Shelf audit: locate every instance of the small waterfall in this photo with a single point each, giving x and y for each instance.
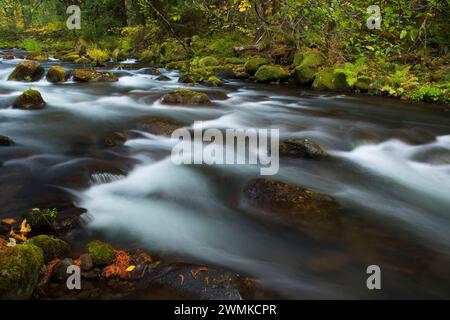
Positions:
(99, 178)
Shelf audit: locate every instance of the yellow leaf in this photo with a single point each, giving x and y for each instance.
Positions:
(8, 221)
(20, 237)
(25, 227)
(130, 268)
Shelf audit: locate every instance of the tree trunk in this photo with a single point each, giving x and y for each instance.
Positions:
(26, 12)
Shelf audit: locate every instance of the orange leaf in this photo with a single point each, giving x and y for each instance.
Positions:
(8, 221)
(25, 227)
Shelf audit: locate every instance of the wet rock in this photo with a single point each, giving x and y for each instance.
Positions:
(29, 100)
(42, 219)
(86, 262)
(8, 57)
(51, 246)
(214, 82)
(269, 73)
(57, 74)
(116, 139)
(298, 206)
(102, 253)
(150, 71)
(38, 56)
(71, 56)
(302, 148)
(28, 71)
(60, 270)
(19, 270)
(163, 78)
(80, 75)
(185, 97)
(159, 126)
(189, 77)
(82, 60)
(6, 141)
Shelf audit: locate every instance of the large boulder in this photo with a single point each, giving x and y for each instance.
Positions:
(52, 247)
(29, 100)
(306, 70)
(327, 79)
(208, 62)
(57, 74)
(81, 75)
(296, 206)
(252, 65)
(20, 267)
(185, 97)
(268, 74)
(6, 141)
(302, 148)
(28, 71)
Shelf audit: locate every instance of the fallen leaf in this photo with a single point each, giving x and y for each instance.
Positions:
(8, 221)
(130, 268)
(19, 237)
(25, 227)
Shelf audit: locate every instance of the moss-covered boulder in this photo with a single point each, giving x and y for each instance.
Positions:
(28, 71)
(363, 84)
(102, 253)
(297, 205)
(6, 141)
(57, 74)
(252, 65)
(42, 219)
(84, 75)
(71, 56)
(185, 97)
(191, 77)
(306, 70)
(327, 79)
(269, 73)
(52, 247)
(83, 60)
(20, 267)
(38, 56)
(214, 81)
(302, 148)
(208, 62)
(29, 100)
(234, 60)
(224, 72)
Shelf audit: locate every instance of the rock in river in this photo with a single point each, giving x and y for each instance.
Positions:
(29, 100)
(80, 75)
(186, 97)
(57, 74)
(302, 148)
(6, 141)
(28, 71)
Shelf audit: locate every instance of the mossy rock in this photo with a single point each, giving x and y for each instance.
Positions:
(215, 82)
(208, 62)
(28, 71)
(269, 73)
(52, 247)
(84, 75)
(177, 65)
(42, 219)
(82, 60)
(102, 253)
(185, 97)
(327, 79)
(158, 125)
(234, 60)
(38, 56)
(298, 58)
(72, 56)
(252, 65)
(57, 74)
(6, 141)
(306, 70)
(191, 77)
(118, 55)
(224, 72)
(363, 84)
(163, 78)
(20, 267)
(29, 100)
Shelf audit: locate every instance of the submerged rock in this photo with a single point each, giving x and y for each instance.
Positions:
(57, 74)
(186, 97)
(163, 78)
(28, 71)
(80, 75)
(158, 125)
(116, 139)
(51, 246)
(302, 148)
(30, 100)
(6, 141)
(20, 267)
(271, 73)
(300, 206)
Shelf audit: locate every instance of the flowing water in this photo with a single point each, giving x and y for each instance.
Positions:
(390, 172)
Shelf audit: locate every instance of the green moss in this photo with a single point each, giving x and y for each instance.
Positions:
(71, 56)
(5, 141)
(184, 96)
(102, 253)
(83, 75)
(30, 99)
(172, 51)
(38, 56)
(328, 79)
(432, 93)
(271, 74)
(363, 84)
(208, 62)
(97, 55)
(82, 60)
(51, 246)
(56, 74)
(118, 55)
(177, 65)
(234, 60)
(19, 269)
(252, 65)
(214, 81)
(306, 70)
(45, 218)
(27, 71)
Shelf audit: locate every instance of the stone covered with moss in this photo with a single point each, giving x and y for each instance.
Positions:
(71, 56)
(83, 75)
(269, 73)
(51, 246)
(306, 70)
(38, 56)
(208, 62)
(214, 81)
(57, 74)
(253, 64)
(185, 97)
(6, 141)
(27, 71)
(82, 60)
(102, 253)
(327, 79)
(20, 267)
(29, 100)
(42, 219)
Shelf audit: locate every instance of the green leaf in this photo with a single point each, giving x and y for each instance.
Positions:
(403, 34)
